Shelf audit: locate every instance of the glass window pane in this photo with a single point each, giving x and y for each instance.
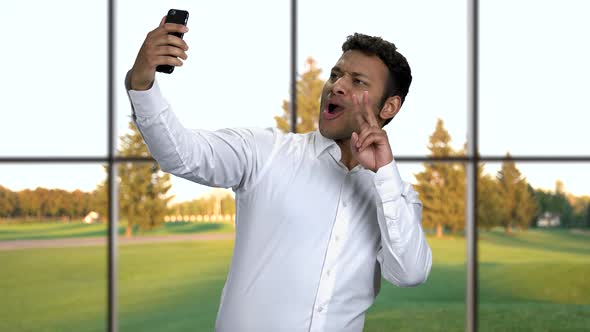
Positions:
(442, 297)
(54, 78)
(437, 57)
(189, 242)
(533, 247)
(237, 71)
(534, 73)
(52, 248)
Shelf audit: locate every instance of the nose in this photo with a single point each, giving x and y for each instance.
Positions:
(339, 87)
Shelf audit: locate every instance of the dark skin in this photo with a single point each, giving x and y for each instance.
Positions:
(356, 82)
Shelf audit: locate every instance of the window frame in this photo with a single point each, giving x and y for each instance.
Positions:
(471, 160)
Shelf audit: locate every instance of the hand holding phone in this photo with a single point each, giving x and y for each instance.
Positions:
(178, 17)
(162, 50)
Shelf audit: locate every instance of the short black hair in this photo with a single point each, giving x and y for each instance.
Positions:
(400, 74)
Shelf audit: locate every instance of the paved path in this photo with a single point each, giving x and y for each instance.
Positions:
(102, 241)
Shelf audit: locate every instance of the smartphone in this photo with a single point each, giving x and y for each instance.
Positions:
(179, 17)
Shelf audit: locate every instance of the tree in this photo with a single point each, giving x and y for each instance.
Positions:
(519, 206)
(442, 186)
(8, 202)
(228, 205)
(143, 187)
(99, 201)
(489, 200)
(309, 91)
(556, 202)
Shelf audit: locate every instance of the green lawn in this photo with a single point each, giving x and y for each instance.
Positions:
(533, 281)
(54, 230)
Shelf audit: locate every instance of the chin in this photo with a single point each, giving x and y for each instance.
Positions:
(335, 134)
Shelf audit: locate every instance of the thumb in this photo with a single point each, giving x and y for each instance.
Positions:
(162, 22)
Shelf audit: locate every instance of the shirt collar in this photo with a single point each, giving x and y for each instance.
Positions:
(322, 143)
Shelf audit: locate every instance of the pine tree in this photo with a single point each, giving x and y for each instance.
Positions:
(528, 208)
(143, 187)
(442, 186)
(309, 91)
(489, 200)
(519, 206)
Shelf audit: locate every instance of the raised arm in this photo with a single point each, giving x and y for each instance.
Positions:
(223, 158)
(404, 256)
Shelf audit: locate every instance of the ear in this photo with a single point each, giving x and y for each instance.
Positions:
(390, 108)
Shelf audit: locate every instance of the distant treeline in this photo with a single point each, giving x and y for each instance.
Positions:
(43, 203)
(212, 205)
(505, 199)
(58, 204)
(573, 211)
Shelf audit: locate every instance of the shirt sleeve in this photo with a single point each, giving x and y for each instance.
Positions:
(223, 158)
(405, 256)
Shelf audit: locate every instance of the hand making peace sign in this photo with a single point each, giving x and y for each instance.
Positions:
(371, 146)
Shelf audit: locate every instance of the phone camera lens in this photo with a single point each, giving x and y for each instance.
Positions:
(172, 12)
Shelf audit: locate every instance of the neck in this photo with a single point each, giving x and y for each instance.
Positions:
(346, 155)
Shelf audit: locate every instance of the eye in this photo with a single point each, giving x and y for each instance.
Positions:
(333, 76)
(359, 82)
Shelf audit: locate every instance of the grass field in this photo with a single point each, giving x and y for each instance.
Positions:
(59, 230)
(532, 281)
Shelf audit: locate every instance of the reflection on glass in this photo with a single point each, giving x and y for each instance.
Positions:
(533, 247)
(54, 90)
(52, 248)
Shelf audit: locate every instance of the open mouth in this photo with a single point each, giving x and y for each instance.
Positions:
(332, 111)
(333, 108)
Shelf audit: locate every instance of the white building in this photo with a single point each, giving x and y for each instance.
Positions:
(549, 219)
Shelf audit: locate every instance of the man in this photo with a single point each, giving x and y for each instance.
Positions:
(320, 217)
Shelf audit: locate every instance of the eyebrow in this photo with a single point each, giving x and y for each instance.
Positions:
(354, 73)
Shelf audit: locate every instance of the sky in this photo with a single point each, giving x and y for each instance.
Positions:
(533, 77)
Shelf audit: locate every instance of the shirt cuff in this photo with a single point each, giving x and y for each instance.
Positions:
(388, 182)
(149, 102)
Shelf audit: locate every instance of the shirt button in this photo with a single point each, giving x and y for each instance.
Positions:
(336, 238)
(344, 204)
(328, 273)
(320, 309)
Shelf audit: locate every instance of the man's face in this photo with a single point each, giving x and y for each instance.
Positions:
(354, 73)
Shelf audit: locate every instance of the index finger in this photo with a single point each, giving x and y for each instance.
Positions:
(371, 118)
(359, 115)
(173, 27)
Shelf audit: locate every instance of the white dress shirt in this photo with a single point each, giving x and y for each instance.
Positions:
(312, 238)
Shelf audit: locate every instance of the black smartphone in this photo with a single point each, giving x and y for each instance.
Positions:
(179, 17)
